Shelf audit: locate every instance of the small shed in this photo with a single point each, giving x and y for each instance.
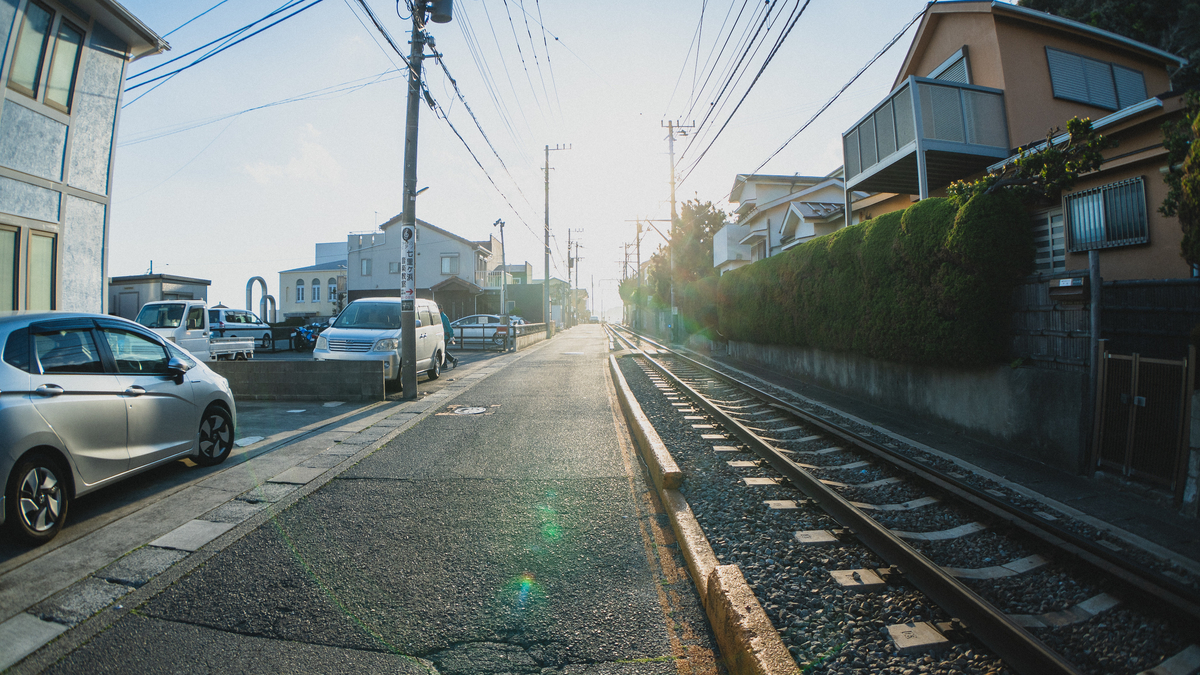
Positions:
(126, 295)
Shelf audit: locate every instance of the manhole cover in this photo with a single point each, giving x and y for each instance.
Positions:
(470, 411)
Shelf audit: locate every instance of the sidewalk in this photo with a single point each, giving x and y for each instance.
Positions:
(500, 525)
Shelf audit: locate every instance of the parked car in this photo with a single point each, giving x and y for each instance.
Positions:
(477, 329)
(369, 330)
(185, 323)
(89, 400)
(240, 323)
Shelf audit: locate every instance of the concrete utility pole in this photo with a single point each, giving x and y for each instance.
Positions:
(546, 281)
(672, 129)
(571, 264)
(441, 13)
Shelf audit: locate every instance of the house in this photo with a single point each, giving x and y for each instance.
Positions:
(775, 213)
(64, 70)
(983, 79)
(316, 292)
(126, 295)
(451, 270)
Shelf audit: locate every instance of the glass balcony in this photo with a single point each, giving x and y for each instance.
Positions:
(925, 135)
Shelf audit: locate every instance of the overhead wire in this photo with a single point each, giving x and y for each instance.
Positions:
(683, 67)
(489, 81)
(549, 63)
(185, 23)
(736, 70)
(167, 76)
(795, 18)
(533, 50)
(891, 43)
(521, 53)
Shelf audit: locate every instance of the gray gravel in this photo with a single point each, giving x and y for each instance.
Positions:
(831, 630)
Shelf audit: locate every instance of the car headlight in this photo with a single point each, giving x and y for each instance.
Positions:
(386, 345)
(322, 343)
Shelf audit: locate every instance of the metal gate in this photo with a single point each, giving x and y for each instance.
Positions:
(1143, 411)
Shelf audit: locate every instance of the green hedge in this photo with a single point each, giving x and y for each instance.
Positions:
(928, 285)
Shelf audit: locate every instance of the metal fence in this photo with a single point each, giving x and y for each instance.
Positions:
(1151, 317)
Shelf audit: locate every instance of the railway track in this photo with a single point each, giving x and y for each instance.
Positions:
(870, 557)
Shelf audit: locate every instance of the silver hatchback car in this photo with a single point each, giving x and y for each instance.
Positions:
(87, 400)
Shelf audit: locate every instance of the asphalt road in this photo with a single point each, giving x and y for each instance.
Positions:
(521, 539)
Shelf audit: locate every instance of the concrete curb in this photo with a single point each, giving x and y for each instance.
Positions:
(662, 466)
(749, 642)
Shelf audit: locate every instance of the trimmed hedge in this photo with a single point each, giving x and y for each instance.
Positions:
(928, 285)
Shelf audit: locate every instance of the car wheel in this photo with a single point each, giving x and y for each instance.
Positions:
(215, 437)
(37, 498)
(435, 371)
(267, 341)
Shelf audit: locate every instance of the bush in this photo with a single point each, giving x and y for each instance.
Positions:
(928, 285)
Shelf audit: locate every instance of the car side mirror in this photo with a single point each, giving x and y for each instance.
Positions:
(176, 368)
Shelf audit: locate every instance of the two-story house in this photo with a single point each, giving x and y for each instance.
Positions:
(775, 213)
(451, 270)
(982, 79)
(64, 69)
(318, 290)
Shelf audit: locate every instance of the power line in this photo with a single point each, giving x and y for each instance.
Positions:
(766, 62)
(846, 86)
(213, 53)
(195, 17)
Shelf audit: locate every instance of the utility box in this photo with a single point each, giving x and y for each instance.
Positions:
(1073, 290)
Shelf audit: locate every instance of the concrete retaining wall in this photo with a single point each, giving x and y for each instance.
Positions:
(1040, 414)
(530, 339)
(303, 380)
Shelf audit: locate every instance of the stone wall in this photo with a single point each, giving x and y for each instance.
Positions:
(303, 380)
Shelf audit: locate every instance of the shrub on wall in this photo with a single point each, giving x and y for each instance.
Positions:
(928, 285)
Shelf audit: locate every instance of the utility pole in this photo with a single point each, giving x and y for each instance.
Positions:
(672, 129)
(637, 312)
(570, 266)
(408, 292)
(572, 262)
(546, 283)
(503, 279)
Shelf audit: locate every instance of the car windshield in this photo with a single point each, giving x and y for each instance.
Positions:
(376, 315)
(161, 316)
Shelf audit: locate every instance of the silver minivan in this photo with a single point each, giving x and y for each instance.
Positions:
(369, 330)
(87, 400)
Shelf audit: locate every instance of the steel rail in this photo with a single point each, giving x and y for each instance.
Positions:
(1018, 648)
(1181, 601)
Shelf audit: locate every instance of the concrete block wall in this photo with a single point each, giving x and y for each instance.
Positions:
(303, 380)
(1041, 414)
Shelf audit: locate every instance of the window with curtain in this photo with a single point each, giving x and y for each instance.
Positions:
(39, 273)
(41, 33)
(8, 270)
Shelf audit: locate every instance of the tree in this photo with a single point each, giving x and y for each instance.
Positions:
(1171, 25)
(1045, 169)
(1183, 178)
(692, 241)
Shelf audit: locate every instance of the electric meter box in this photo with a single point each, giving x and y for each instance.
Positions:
(1072, 290)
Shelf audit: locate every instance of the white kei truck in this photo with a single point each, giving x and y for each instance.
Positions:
(185, 322)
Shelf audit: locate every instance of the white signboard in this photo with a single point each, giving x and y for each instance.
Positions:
(408, 264)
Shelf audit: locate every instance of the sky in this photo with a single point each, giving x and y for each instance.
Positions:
(218, 177)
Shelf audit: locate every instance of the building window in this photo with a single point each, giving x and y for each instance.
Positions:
(60, 84)
(1109, 216)
(8, 270)
(316, 290)
(1099, 83)
(450, 264)
(40, 272)
(332, 289)
(38, 26)
(299, 290)
(393, 268)
(365, 267)
(1049, 240)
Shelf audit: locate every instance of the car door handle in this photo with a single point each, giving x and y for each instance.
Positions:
(134, 391)
(49, 390)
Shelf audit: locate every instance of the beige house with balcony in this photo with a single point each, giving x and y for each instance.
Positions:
(775, 213)
(450, 270)
(983, 79)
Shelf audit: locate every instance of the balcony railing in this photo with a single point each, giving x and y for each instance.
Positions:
(925, 135)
